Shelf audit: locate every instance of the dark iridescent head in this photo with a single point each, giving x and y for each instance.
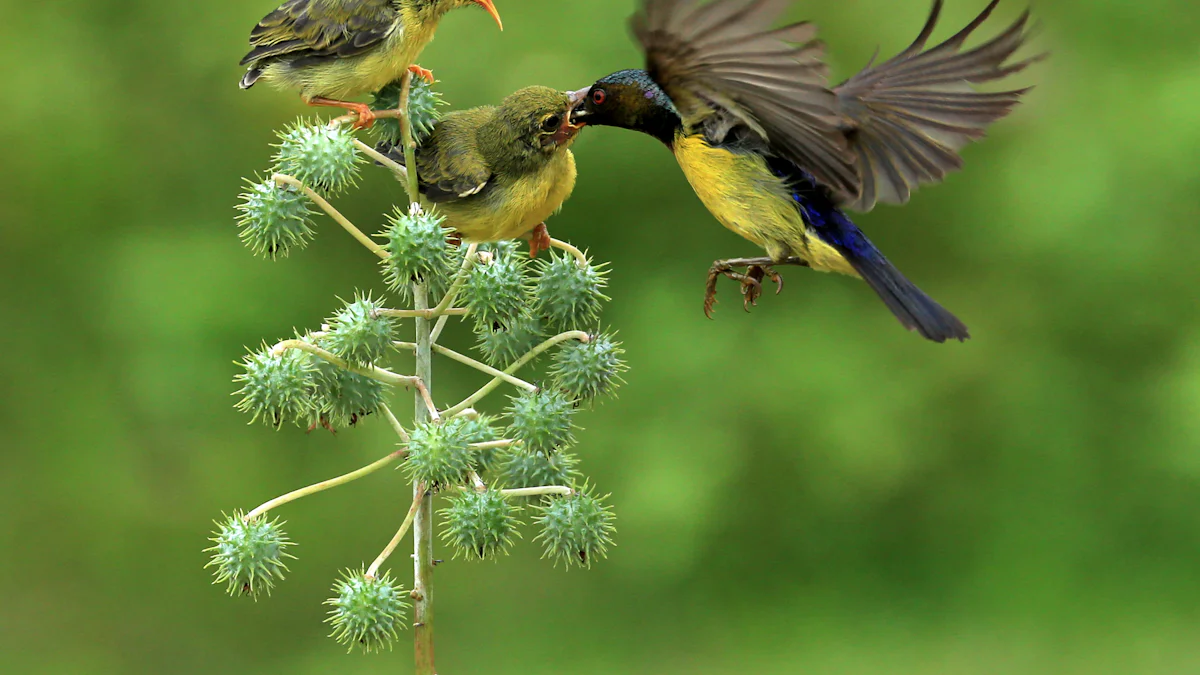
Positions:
(631, 100)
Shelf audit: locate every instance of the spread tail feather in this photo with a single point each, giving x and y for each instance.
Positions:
(916, 310)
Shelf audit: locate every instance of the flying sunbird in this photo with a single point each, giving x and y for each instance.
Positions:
(778, 156)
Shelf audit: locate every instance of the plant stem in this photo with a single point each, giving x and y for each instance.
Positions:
(478, 365)
(410, 148)
(422, 592)
(374, 372)
(396, 426)
(284, 179)
(443, 307)
(579, 255)
(326, 484)
(421, 313)
(396, 167)
(533, 353)
(495, 445)
(535, 491)
(396, 539)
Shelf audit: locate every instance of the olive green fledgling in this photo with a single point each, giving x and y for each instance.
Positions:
(497, 172)
(332, 50)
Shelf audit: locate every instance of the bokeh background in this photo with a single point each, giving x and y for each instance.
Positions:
(803, 489)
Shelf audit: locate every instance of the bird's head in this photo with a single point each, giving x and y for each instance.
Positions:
(540, 117)
(629, 99)
(440, 7)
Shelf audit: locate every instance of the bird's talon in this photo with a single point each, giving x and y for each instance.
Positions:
(423, 73)
(539, 240)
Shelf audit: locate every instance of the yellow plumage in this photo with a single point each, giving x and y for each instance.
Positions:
(745, 196)
(513, 212)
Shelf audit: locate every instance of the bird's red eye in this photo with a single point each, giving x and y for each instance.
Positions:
(598, 96)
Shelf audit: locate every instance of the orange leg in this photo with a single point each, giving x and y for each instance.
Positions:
(539, 240)
(365, 115)
(422, 73)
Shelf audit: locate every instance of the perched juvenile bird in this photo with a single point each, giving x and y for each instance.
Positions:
(497, 172)
(332, 50)
(776, 155)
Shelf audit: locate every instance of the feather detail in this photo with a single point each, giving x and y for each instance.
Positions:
(723, 58)
(907, 118)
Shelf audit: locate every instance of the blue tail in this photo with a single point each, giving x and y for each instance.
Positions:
(911, 306)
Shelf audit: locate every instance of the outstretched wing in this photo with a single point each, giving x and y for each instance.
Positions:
(308, 31)
(724, 59)
(907, 118)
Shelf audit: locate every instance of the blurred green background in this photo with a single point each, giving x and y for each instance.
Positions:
(806, 488)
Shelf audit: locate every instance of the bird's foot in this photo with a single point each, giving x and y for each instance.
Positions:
(423, 73)
(539, 240)
(366, 116)
(757, 269)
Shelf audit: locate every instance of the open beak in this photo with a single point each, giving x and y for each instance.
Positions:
(570, 124)
(491, 9)
(578, 110)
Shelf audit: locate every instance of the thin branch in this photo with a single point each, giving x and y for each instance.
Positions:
(533, 353)
(533, 491)
(479, 365)
(398, 537)
(284, 179)
(580, 257)
(396, 167)
(480, 486)
(495, 445)
(421, 313)
(374, 372)
(459, 279)
(326, 484)
(396, 426)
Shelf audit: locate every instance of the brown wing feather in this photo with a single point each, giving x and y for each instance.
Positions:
(908, 117)
(307, 31)
(724, 57)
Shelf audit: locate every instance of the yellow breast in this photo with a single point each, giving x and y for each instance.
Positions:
(513, 206)
(741, 192)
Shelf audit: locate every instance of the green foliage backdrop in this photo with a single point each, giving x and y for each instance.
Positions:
(807, 488)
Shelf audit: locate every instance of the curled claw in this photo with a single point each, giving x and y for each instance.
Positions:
(539, 240)
(423, 73)
(366, 116)
(757, 269)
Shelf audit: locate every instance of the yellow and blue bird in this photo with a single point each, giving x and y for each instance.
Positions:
(778, 156)
(332, 50)
(498, 172)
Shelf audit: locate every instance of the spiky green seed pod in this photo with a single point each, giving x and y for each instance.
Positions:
(584, 370)
(423, 104)
(497, 293)
(480, 429)
(480, 524)
(501, 249)
(521, 469)
(322, 157)
(274, 219)
(567, 296)
(358, 333)
(418, 253)
(248, 555)
(368, 612)
(276, 389)
(343, 398)
(541, 420)
(575, 529)
(439, 455)
(501, 346)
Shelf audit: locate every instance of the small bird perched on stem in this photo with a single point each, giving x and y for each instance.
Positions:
(776, 155)
(332, 50)
(497, 172)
